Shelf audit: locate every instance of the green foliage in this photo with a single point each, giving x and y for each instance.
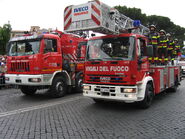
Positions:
(5, 32)
(133, 13)
(161, 22)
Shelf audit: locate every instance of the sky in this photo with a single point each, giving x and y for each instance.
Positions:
(49, 13)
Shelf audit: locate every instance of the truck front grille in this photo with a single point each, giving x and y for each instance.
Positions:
(107, 78)
(20, 67)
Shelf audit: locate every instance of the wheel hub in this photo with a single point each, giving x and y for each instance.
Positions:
(59, 87)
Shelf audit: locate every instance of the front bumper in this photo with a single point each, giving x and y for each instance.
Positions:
(22, 79)
(114, 93)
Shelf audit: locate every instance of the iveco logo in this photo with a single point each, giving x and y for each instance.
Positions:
(81, 9)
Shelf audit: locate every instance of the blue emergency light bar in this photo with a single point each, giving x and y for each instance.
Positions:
(136, 23)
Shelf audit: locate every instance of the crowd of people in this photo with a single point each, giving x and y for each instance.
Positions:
(2, 69)
(165, 47)
(3, 63)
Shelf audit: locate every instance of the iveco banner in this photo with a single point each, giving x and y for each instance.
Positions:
(81, 12)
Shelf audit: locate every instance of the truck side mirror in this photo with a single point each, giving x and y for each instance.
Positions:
(149, 50)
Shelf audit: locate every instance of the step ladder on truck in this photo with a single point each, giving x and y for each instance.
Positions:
(116, 65)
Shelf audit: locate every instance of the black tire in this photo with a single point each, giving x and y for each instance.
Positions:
(174, 88)
(149, 95)
(58, 88)
(28, 90)
(79, 84)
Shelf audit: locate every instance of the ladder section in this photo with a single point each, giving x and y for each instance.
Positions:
(98, 17)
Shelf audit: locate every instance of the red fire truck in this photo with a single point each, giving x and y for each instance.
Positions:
(117, 66)
(51, 60)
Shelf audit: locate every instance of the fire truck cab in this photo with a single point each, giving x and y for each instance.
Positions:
(53, 60)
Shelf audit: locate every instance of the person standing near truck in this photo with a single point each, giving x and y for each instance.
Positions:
(162, 47)
(153, 40)
(177, 48)
(171, 47)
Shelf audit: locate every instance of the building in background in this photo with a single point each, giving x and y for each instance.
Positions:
(17, 33)
(33, 29)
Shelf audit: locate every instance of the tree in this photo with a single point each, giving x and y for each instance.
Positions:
(133, 13)
(5, 32)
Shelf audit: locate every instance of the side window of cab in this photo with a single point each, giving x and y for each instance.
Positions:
(50, 45)
(141, 47)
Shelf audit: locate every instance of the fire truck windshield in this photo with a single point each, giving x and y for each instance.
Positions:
(119, 48)
(24, 47)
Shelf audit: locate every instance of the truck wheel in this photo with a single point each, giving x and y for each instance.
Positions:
(79, 83)
(174, 88)
(58, 88)
(28, 90)
(149, 95)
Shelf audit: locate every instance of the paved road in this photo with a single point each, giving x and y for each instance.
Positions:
(74, 116)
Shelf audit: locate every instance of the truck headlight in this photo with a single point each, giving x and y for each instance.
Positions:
(86, 87)
(7, 78)
(128, 90)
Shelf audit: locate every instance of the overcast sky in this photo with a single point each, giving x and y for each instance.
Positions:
(49, 13)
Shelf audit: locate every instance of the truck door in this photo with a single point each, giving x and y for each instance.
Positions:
(143, 64)
(52, 59)
(81, 51)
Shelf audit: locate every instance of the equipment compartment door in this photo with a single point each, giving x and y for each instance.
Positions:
(171, 76)
(161, 79)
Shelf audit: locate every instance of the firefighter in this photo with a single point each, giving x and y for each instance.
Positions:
(170, 48)
(177, 48)
(153, 40)
(162, 47)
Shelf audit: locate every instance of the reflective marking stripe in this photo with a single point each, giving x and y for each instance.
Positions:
(162, 46)
(155, 58)
(150, 58)
(68, 24)
(18, 111)
(68, 14)
(154, 42)
(95, 19)
(95, 9)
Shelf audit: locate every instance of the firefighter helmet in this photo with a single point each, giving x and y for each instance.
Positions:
(168, 35)
(176, 39)
(162, 31)
(152, 26)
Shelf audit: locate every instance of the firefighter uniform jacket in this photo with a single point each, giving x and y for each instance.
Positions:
(153, 38)
(162, 48)
(177, 50)
(171, 45)
(163, 42)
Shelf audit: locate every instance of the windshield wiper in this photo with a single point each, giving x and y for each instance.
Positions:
(117, 58)
(97, 59)
(110, 58)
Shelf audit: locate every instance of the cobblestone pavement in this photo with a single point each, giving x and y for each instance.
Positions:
(77, 117)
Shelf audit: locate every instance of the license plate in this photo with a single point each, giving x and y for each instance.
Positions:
(104, 89)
